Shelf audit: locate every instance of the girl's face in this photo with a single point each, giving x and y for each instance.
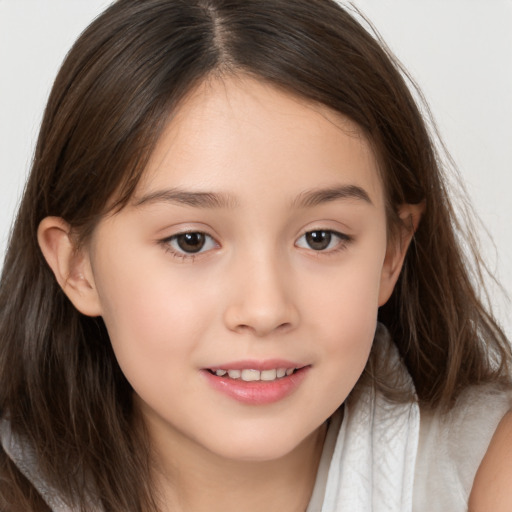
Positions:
(254, 245)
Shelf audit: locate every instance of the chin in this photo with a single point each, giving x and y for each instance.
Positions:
(256, 453)
(258, 446)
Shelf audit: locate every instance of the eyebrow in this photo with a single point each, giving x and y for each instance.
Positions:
(183, 197)
(315, 197)
(306, 199)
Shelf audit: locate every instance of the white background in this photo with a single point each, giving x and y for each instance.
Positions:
(459, 51)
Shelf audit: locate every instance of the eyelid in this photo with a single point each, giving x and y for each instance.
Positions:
(183, 255)
(343, 241)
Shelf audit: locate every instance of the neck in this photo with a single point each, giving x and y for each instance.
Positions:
(200, 481)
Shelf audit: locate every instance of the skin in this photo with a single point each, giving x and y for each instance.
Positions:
(491, 488)
(256, 290)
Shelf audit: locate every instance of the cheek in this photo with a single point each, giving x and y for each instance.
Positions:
(152, 317)
(344, 317)
(347, 299)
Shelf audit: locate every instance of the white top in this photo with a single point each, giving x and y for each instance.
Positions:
(449, 450)
(451, 447)
(378, 456)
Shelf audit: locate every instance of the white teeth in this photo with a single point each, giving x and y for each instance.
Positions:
(268, 375)
(250, 375)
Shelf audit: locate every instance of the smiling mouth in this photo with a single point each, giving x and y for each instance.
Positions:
(252, 386)
(250, 375)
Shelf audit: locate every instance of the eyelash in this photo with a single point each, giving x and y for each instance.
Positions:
(343, 241)
(180, 253)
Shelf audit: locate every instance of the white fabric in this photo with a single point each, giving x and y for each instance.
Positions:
(451, 447)
(24, 458)
(373, 462)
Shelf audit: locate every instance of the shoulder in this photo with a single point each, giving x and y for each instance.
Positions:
(452, 445)
(492, 489)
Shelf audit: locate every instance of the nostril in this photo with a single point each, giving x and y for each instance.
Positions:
(284, 326)
(263, 330)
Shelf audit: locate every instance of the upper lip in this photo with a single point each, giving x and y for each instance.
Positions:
(252, 364)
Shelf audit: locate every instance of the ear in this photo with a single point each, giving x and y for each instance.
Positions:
(70, 265)
(410, 216)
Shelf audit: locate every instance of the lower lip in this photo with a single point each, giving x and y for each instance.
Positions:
(257, 392)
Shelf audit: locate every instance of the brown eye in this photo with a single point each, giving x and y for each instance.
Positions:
(318, 240)
(190, 242)
(188, 245)
(324, 240)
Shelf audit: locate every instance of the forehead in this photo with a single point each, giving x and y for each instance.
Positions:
(242, 135)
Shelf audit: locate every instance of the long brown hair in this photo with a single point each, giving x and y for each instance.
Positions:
(60, 384)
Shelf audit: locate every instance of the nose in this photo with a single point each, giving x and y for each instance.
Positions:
(262, 301)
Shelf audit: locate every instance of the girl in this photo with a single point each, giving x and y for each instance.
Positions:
(235, 280)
